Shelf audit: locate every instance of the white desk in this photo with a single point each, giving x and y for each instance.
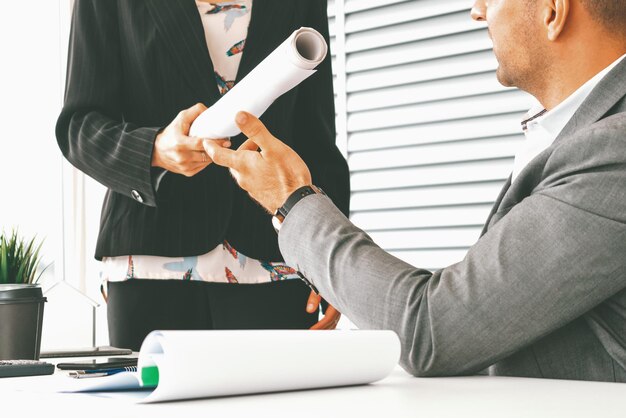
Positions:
(398, 396)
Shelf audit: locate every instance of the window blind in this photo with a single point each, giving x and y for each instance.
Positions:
(429, 133)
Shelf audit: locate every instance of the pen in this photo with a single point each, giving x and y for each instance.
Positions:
(79, 374)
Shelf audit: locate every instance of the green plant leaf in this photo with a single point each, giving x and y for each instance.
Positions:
(28, 263)
(19, 259)
(19, 276)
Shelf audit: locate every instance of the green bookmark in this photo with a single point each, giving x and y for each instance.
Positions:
(150, 376)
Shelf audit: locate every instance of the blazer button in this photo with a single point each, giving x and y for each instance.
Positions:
(135, 194)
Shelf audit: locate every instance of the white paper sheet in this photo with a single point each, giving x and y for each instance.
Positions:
(287, 66)
(115, 382)
(200, 364)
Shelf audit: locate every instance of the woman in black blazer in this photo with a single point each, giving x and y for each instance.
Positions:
(133, 66)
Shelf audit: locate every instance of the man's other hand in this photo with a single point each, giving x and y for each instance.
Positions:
(331, 316)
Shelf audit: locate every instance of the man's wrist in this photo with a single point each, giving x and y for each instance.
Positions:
(281, 213)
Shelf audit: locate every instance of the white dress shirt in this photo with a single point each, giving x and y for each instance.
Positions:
(542, 127)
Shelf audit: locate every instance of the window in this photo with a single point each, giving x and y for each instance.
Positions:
(428, 131)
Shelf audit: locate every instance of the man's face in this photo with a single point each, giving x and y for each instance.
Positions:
(515, 32)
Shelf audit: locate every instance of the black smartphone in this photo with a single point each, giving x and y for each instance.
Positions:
(99, 363)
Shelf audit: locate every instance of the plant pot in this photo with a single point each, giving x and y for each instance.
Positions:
(21, 318)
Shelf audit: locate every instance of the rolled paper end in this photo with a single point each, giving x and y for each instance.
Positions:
(288, 65)
(309, 48)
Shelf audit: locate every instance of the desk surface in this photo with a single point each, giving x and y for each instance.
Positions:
(397, 396)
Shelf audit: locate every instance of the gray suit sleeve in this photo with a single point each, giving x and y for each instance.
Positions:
(551, 258)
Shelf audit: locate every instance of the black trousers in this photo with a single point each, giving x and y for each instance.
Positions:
(137, 306)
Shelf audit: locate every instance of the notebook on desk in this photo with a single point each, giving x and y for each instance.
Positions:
(176, 365)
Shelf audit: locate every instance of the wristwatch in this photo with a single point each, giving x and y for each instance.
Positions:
(295, 197)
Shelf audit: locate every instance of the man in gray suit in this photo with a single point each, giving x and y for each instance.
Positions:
(543, 291)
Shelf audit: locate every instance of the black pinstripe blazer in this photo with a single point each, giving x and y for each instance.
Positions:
(132, 66)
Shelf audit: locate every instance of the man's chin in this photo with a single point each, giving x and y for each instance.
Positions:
(503, 78)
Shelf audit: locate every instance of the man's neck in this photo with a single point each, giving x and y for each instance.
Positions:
(574, 71)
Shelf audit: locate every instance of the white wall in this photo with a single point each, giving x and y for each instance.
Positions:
(30, 99)
(38, 187)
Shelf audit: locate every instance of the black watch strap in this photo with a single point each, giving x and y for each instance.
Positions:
(282, 212)
(295, 197)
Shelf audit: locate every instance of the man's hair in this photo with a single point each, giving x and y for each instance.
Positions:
(610, 13)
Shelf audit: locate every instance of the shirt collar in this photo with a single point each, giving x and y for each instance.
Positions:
(554, 121)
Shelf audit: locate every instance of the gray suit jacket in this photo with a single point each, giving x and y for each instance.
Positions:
(543, 291)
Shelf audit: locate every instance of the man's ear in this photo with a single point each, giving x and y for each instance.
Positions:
(555, 15)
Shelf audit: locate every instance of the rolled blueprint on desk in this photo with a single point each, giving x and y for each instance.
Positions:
(287, 66)
(200, 364)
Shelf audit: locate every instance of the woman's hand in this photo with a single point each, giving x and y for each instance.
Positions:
(175, 151)
(331, 317)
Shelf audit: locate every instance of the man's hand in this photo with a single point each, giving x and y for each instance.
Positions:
(331, 317)
(269, 176)
(175, 151)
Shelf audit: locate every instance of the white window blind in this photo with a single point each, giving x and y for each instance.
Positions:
(428, 132)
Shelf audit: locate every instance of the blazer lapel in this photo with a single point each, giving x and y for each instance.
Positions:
(606, 94)
(268, 18)
(180, 25)
(599, 102)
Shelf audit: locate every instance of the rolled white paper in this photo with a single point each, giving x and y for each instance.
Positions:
(198, 364)
(209, 363)
(288, 65)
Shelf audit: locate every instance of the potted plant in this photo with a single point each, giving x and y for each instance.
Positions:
(18, 259)
(21, 299)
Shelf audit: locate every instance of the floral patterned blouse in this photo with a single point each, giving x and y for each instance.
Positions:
(226, 27)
